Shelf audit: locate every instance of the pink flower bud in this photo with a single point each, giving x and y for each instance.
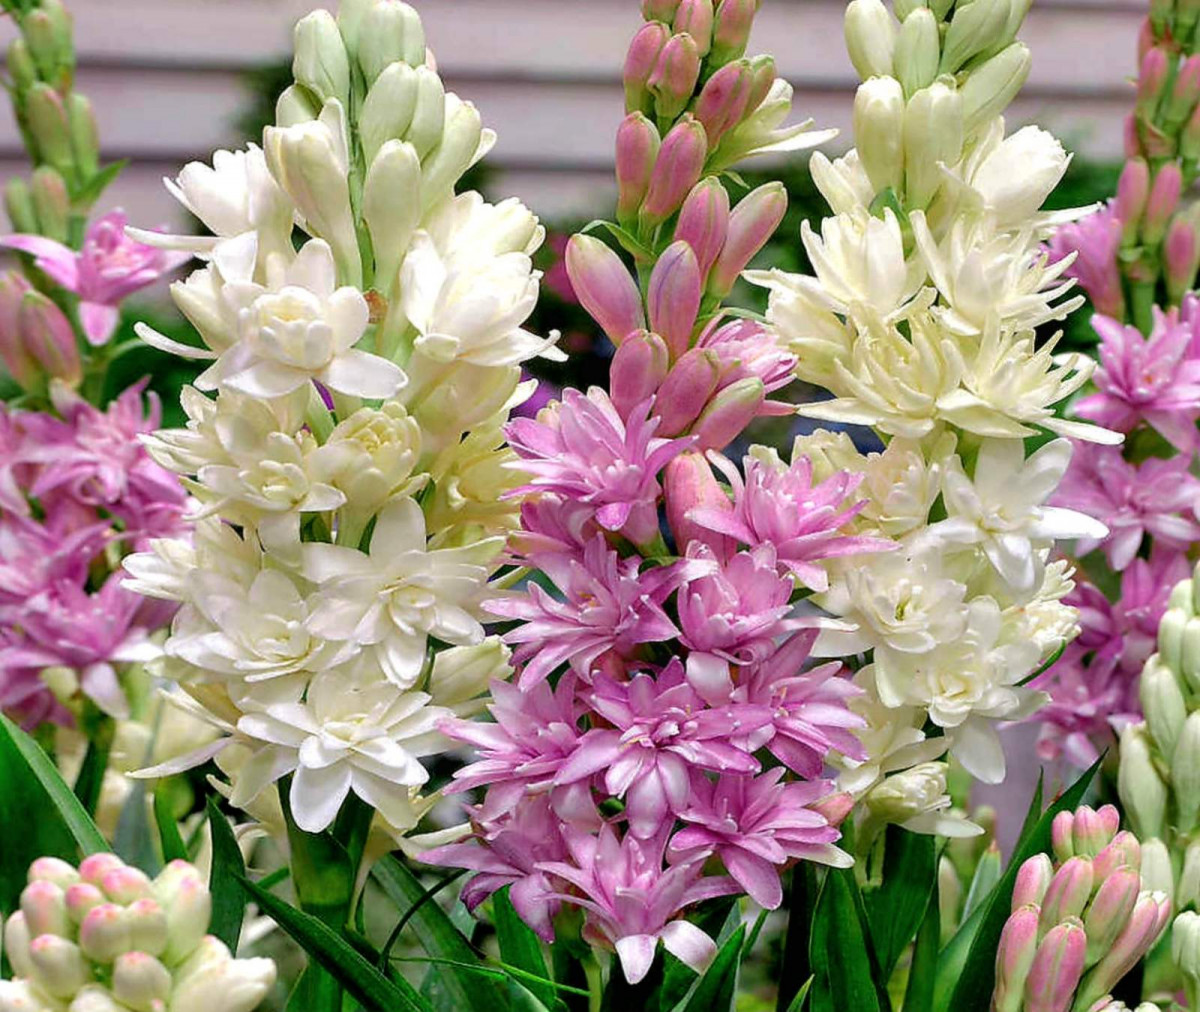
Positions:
(1061, 841)
(686, 390)
(764, 77)
(17, 359)
(724, 99)
(673, 296)
(1133, 190)
(82, 897)
(1014, 958)
(1181, 256)
(640, 62)
(1056, 969)
(1110, 910)
(637, 148)
(45, 909)
(704, 221)
(95, 867)
(48, 336)
(1124, 850)
(1150, 915)
(58, 966)
(104, 933)
(1163, 203)
(187, 919)
(604, 287)
(1033, 879)
(835, 807)
(141, 981)
(695, 18)
(53, 869)
(675, 75)
(1069, 891)
(751, 224)
(731, 33)
(638, 370)
(124, 885)
(147, 926)
(676, 170)
(1185, 91)
(729, 413)
(1092, 831)
(1156, 64)
(1145, 40)
(688, 484)
(1131, 142)
(659, 10)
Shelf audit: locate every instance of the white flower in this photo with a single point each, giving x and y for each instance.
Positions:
(901, 485)
(1045, 620)
(1002, 509)
(472, 481)
(917, 800)
(1014, 176)
(467, 229)
(843, 182)
(460, 676)
(399, 594)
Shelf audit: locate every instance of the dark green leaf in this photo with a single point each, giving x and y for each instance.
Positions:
(923, 972)
(801, 996)
(40, 814)
(228, 870)
(715, 990)
(91, 776)
(520, 945)
(133, 840)
(802, 900)
(896, 908)
(173, 848)
(987, 874)
(91, 191)
(338, 957)
(846, 974)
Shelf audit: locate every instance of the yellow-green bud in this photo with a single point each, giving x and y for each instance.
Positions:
(321, 63)
(389, 209)
(1185, 774)
(918, 50)
(1170, 637)
(1189, 653)
(48, 124)
(389, 31)
(990, 88)
(296, 105)
(18, 202)
(429, 113)
(973, 29)
(1162, 703)
(870, 37)
(933, 134)
(388, 109)
(41, 34)
(879, 131)
(51, 202)
(21, 67)
(1139, 785)
(85, 138)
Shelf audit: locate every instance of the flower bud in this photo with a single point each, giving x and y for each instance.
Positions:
(1185, 774)
(321, 63)
(58, 966)
(1188, 663)
(729, 412)
(82, 897)
(53, 869)
(459, 147)
(695, 19)
(51, 202)
(49, 127)
(387, 111)
(390, 31)
(104, 933)
(18, 203)
(704, 221)
(141, 982)
(147, 926)
(638, 144)
(187, 920)
(94, 867)
(18, 359)
(731, 33)
(235, 985)
(638, 369)
(1184, 94)
(974, 27)
(388, 210)
(49, 338)
(674, 77)
(1187, 889)
(124, 885)
(1124, 850)
(990, 88)
(1163, 203)
(1140, 786)
(688, 484)
(295, 105)
(686, 390)
(640, 63)
(460, 675)
(1033, 879)
(1162, 704)
(1092, 830)
(1156, 871)
(16, 944)
(676, 170)
(918, 50)
(1189, 137)
(1069, 891)
(1170, 638)
(660, 10)
(45, 908)
(604, 287)
(751, 225)
(1062, 839)
(879, 131)
(1133, 190)
(673, 296)
(1109, 911)
(1185, 943)
(724, 99)
(429, 114)
(21, 67)
(870, 38)
(45, 46)
(1152, 78)
(85, 136)
(933, 135)
(1014, 958)
(1057, 966)
(1181, 258)
(1150, 915)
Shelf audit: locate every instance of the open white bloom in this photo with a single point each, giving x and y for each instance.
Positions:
(392, 599)
(1012, 176)
(918, 800)
(165, 570)
(892, 739)
(842, 182)
(1044, 620)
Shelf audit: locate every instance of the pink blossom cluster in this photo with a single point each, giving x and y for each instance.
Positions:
(77, 491)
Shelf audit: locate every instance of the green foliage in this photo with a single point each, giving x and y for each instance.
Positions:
(225, 880)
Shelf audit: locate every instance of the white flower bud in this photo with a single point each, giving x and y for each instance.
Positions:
(933, 135)
(1141, 788)
(1187, 890)
(1156, 870)
(58, 966)
(390, 208)
(1170, 638)
(1185, 774)
(141, 982)
(16, 944)
(45, 909)
(918, 50)
(349, 18)
(429, 114)
(24, 996)
(321, 63)
(95, 998)
(187, 920)
(104, 933)
(1189, 654)
(1162, 704)
(1018, 175)
(388, 108)
(974, 27)
(210, 980)
(461, 675)
(1185, 943)
(294, 106)
(879, 131)
(989, 89)
(870, 37)
(53, 869)
(461, 138)
(1182, 596)
(147, 927)
(388, 32)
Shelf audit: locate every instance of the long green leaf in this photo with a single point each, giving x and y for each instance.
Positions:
(802, 900)
(90, 778)
(797, 1004)
(846, 974)
(39, 812)
(520, 946)
(923, 972)
(896, 908)
(716, 989)
(224, 881)
(173, 848)
(338, 957)
(133, 840)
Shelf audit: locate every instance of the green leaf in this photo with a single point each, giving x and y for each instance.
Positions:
(224, 882)
(846, 974)
(967, 972)
(520, 945)
(715, 990)
(987, 874)
(91, 776)
(718, 918)
(895, 910)
(797, 1003)
(133, 840)
(50, 818)
(338, 957)
(803, 893)
(91, 191)
(923, 971)
(173, 847)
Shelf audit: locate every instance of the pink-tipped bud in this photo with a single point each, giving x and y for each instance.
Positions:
(751, 224)
(124, 885)
(638, 370)
(1143, 928)
(53, 869)
(104, 933)
(1069, 891)
(660, 10)
(1033, 879)
(1124, 850)
(686, 390)
(1145, 40)
(689, 484)
(1184, 92)
(835, 807)
(729, 412)
(1156, 65)
(676, 170)
(724, 100)
(695, 18)
(1014, 958)
(58, 966)
(640, 62)
(673, 296)
(49, 337)
(147, 926)
(1163, 203)
(1061, 841)
(16, 944)
(45, 908)
(1181, 257)
(1133, 190)
(637, 148)
(1131, 141)
(764, 78)
(731, 33)
(674, 77)
(17, 359)
(704, 222)
(1110, 910)
(141, 981)
(187, 919)
(1094, 830)
(604, 287)
(82, 897)
(94, 868)
(1056, 969)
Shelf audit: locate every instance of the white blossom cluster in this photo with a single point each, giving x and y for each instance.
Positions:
(921, 320)
(363, 328)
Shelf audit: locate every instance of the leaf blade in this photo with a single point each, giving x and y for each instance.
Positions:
(224, 881)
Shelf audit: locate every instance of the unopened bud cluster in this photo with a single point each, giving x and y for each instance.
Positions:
(1079, 923)
(37, 341)
(106, 938)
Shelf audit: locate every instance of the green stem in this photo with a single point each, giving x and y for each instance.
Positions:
(1141, 305)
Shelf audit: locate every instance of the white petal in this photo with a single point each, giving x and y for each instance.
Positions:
(688, 944)
(317, 795)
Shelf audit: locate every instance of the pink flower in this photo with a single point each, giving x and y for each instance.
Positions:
(582, 450)
(746, 349)
(660, 729)
(109, 268)
(782, 507)
(1097, 240)
(1155, 380)
(631, 902)
(24, 694)
(35, 557)
(755, 825)
(1157, 498)
(607, 605)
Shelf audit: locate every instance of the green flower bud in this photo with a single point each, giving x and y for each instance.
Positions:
(18, 202)
(429, 113)
(321, 63)
(1187, 889)
(52, 203)
(1170, 638)
(990, 88)
(21, 67)
(1185, 774)
(918, 49)
(973, 29)
(1189, 653)
(933, 133)
(389, 31)
(870, 37)
(85, 138)
(1162, 703)
(1139, 785)
(879, 131)
(48, 124)
(388, 110)
(42, 36)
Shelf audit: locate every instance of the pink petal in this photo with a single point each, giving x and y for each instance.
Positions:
(99, 321)
(53, 258)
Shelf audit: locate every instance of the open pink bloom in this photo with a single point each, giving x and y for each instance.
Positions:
(632, 902)
(35, 557)
(607, 605)
(1157, 497)
(660, 729)
(782, 507)
(756, 825)
(1096, 239)
(745, 349)
(108, 269)
(551, 525)
(581, 449)
(1153, 379)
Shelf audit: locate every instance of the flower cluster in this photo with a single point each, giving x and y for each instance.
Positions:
(104, 936)
(344, 442)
